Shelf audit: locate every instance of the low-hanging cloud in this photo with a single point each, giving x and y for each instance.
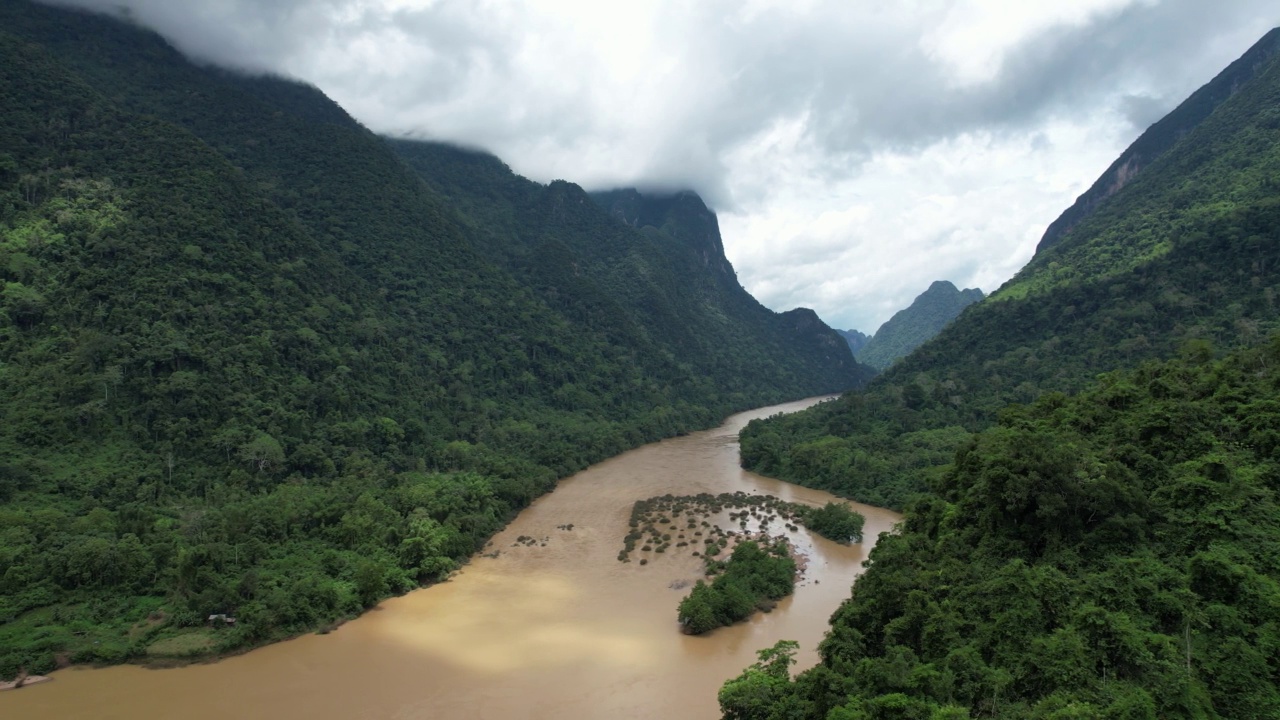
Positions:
(831, 135)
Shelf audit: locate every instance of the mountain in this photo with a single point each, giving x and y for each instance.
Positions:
(857, 340)
(1111, 554)
(1163, 135)
(253, 362)
(1183, 255)
(651, 268)
(910, 328)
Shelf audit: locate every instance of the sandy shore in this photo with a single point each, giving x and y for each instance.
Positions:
(23, 682)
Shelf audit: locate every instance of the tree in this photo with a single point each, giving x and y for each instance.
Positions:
(371, 582)
(836, 521)
(263, 452)
(697, 612)
(764, 690)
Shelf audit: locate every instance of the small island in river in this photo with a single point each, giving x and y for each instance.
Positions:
(762, 567)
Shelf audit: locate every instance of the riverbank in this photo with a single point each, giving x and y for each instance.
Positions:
(557, 628)
(23, 681)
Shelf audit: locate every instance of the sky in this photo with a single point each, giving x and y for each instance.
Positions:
(854, 150)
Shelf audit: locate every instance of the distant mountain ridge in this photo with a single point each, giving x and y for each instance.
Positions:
(856, 339)
(653, 265)
(916, 324)
(1186, 253)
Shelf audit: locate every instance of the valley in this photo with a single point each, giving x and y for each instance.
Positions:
(557, 628)
(307, 417)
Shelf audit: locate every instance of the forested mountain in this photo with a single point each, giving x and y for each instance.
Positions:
(252, 363)
(1109, 555)
(1186, 252)
(648, 270)
(913, 326)
(856, 339)
(1112, 555)
(1163, 135)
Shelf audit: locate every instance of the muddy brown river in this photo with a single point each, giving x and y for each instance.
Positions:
(557, 630)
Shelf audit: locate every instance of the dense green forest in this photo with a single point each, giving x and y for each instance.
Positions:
(1111, 555)
(251, 363)
(1186, 251)
(916, 324)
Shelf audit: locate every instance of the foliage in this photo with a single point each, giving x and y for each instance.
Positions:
(835, 521)
(762, 690)
(253, 364)
(1109, 555)
(912, 327)
(753, 576)
(654, 519)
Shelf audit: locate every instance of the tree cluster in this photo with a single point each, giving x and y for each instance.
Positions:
(751, 579)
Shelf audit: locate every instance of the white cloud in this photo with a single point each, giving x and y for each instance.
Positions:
(857, 150)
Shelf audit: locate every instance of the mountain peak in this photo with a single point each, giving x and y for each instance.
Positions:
(681, 214)
(910, 328)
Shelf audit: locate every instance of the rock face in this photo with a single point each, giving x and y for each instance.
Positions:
(910, 328)
(682, 215)
(1163, 135)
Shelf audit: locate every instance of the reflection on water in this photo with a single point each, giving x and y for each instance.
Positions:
(554, 630)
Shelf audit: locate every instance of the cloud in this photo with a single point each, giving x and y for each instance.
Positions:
(856, 151)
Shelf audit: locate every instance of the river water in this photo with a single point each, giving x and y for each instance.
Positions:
(558, 629)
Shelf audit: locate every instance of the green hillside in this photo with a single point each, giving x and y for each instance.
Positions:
(1107, 555)
(915, 325)
(650, 270)
(1163, 135)
(251, 363)
(1186, 253)
(1112, 555)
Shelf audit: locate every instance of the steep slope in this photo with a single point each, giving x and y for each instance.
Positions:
(652, 268)
(915, 325)
(1108, 555)
(856, 339)
(1186, 253)
(250, 363)
(1113, 555)
(1163, 135)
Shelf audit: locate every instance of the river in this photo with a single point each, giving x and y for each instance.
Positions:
(557, 629)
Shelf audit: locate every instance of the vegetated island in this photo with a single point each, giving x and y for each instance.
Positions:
(755, 576)
(762, 567)
(656, 522)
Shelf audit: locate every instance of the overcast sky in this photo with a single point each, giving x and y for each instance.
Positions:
(855, 150)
